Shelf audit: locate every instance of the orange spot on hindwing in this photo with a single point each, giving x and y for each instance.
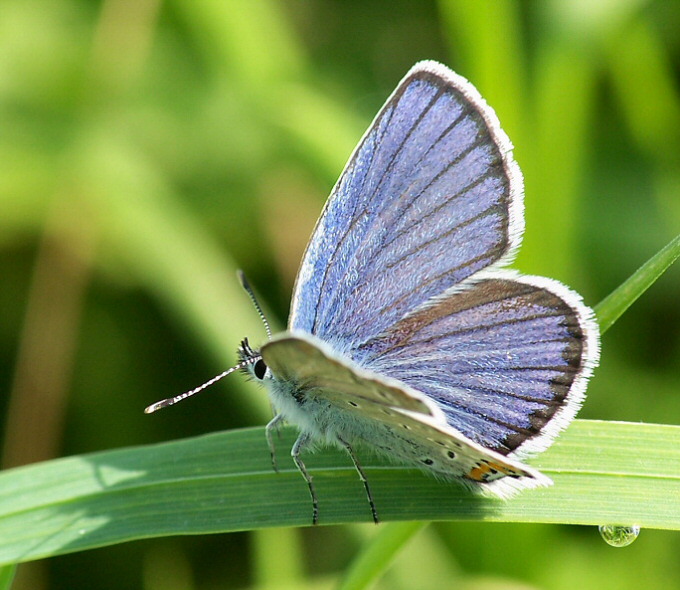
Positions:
(486, 471)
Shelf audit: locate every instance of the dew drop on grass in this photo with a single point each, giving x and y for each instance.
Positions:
(619, 536)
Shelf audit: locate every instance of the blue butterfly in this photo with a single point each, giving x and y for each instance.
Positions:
(407, 334)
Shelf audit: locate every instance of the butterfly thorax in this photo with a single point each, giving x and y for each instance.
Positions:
(290, 399)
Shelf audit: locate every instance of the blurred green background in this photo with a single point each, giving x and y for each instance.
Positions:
(148, 149)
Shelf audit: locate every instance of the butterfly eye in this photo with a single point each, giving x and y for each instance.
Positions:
(260, 369)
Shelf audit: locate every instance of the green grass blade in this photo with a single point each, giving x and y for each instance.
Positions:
(604, 472)
(376, 557)
(7, 576)
(612, 307)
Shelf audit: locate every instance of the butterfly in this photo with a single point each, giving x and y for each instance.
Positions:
(407, 333)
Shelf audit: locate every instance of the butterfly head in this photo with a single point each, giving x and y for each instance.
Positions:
(251, 362)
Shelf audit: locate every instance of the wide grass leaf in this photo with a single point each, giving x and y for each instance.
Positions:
(604, 473)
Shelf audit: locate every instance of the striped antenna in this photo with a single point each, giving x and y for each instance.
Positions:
(248, 289)
(171, 401)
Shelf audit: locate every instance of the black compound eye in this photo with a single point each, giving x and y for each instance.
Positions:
(260, 369)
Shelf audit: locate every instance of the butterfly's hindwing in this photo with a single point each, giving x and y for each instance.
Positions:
(506, 359)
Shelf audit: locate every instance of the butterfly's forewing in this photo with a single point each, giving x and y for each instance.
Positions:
(386, 414)
(311, 366)
(506, 358)
(430, 196)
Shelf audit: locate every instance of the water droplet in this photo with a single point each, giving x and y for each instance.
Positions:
(619, 536)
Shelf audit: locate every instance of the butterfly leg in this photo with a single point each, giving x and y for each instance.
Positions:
(362, 476)
(300, 444)
(274, 423)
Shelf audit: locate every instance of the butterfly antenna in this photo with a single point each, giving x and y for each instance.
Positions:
(248, 289)
(171, 401)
